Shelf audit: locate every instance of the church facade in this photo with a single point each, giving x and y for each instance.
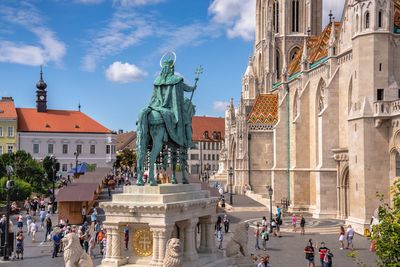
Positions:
(318, 118)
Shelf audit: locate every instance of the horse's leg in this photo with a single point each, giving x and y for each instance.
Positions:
(173, 161)
(141, 160)
(157, 133)
(183, 157)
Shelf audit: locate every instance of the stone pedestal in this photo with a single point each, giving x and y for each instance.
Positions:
(152, 213)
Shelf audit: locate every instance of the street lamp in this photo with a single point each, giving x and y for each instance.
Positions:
(76, 154)
(230, 185)
(270, 193)
(9, 186)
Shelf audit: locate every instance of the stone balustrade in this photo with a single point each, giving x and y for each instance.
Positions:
(385, 109)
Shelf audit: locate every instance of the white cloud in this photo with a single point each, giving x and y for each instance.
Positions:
(237, 15)
(124, 72)
(220, 106)
(49, 49)
(125, 29)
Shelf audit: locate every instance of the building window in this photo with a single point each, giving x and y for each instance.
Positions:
(206, 134)
(213, 157)
(64, 167)
(35, 148)
(380, 66)
(397, 164)
(10, 149)
(217, 157)
(108, 149)
(380, 19)
(1, 131)
(367, 20)
(1, 150)
(65, 149)
(208, 146)
(194, 156)
(10, 132)
(204, 146)
(278, 65)
(50, 149)
(295, 15)
(380, 94)
(79, 149)
(204, 157)
(113, 149)
(209, 157)
(275, 18)
(92, 149)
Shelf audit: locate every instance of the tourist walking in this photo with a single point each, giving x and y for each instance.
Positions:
(226, 223)
(264, 238)
(49, 227)
(220, 236)
(302, 225)
(56, 243)
(93, 216)
(19, 245)
(20, 222)
(33, 229)
(328, 258)
(278, 212)
(264, 222)
(322, 251)
(28, 223)
(42, 216)
(100, 236)
(341, 237)
(278, 225)
(309, 251)
(273, 227)
(257, 236)
(350, 236)
(294, 222)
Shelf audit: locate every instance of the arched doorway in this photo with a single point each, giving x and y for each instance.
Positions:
(345, 194)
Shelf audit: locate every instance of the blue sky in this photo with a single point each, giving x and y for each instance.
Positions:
(105, 53)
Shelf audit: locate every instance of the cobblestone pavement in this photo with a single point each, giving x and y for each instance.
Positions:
(285, 252)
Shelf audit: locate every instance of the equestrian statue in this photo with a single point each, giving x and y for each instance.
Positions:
(164, 128)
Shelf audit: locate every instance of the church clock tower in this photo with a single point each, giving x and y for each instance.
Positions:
(41, 94)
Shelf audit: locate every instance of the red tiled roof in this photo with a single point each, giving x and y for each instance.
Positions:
(63, 121)
(210, 124)
(7, 109)
(126, 140)
(265, 110)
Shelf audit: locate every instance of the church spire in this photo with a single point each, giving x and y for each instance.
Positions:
(332, 39)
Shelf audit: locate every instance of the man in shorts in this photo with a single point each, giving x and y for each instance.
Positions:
(309, 251)
(350, 236)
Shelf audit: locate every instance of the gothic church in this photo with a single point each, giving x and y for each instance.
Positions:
(318, 118)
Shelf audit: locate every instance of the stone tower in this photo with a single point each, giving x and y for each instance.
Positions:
(281, 26)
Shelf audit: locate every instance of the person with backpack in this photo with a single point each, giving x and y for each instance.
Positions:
(309, 251)
(328, 258)
(302, 225)
(264, 238)
(49, 226)
(322, 251)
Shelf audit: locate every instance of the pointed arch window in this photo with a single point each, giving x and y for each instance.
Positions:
(278, 65)
(397, 164)
(367, 20)
(295, 15)
(380, 24)
(293, 53)
(275, 17)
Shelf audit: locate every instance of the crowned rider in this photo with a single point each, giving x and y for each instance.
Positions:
(176, 110)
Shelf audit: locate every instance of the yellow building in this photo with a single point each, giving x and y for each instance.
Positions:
(8, 125)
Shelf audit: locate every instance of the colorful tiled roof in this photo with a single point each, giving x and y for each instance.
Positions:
(317, 48)
(210, 124)
(7, 109)
(61, 121)
(265, 110)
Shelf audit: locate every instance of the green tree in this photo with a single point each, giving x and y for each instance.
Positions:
(20, 191)
(386, 234)
(26, 168)
(48, 167)
(126, 158)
